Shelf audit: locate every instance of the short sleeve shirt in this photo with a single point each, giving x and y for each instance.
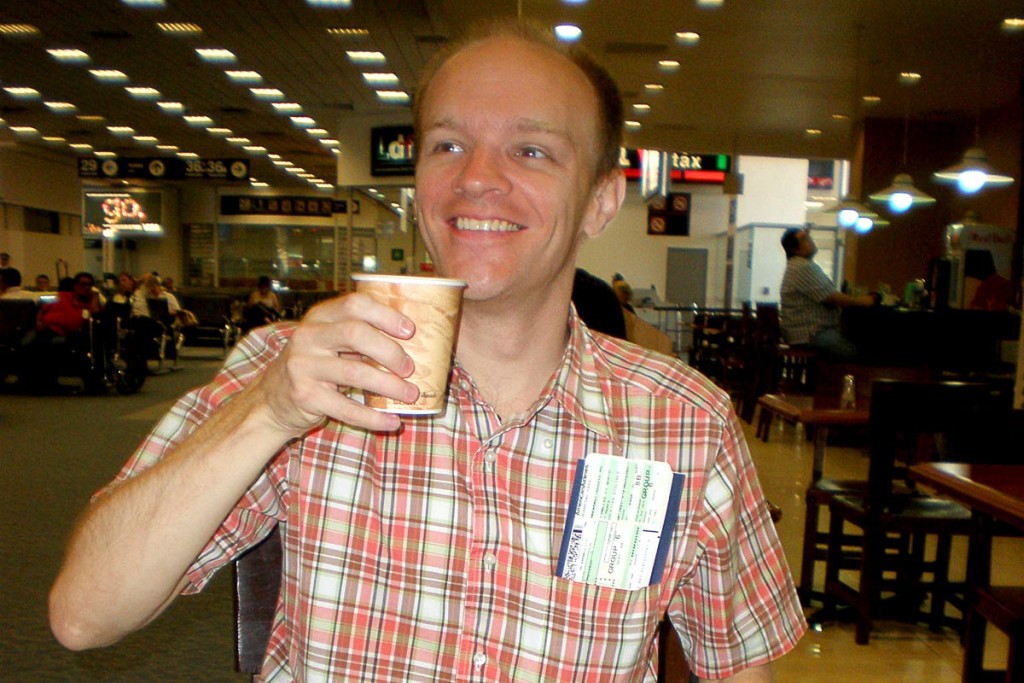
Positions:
(430, 554)
(803, 311)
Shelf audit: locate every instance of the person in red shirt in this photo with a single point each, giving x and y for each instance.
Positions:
(72, 308)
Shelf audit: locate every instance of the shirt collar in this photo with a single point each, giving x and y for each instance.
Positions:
(581, 386)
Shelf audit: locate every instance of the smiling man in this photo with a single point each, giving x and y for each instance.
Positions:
(438, 548)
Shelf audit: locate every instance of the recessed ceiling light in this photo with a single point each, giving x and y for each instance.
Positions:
(654, 88)
(633, 125)
(575, 2)
(317, 132)
(167, 148)
(286, 107)
(90, 118)
(345, 31)
(149, 4)
(641, 108)
(219, 132)
(267, 93)
(171, 107)
(812, 132)
(258, 183)
(687, 37)
(68, 55)
(568, 33)
(80, 146)
(18, 30)
(198, 120)
(668, 65)
(244, 76)
(121, 130)
(393, 96)
(60, 107)
(329, 3)
(271, 155)
(53, 138)
(145, 139)
(21, 92)
(282, 162)
(239, 141)
(255, 149)
(330, 142)
(143, 92)
(24, 130)
(303, 121)
(710, 4)
(109, 75)
(871, 100)
(180, 27)
(216, 55)
(380, 78)
(1013, 24)
(909, 78)
(366, 56)
(104, 154)
(295, 170)
(187, 155)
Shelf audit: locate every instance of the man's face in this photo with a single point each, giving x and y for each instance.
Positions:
(83, 288)
(42, 283)
(125, 284)
(807, 246)
(505, 186)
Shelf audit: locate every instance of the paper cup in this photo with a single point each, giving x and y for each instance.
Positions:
(434, 305)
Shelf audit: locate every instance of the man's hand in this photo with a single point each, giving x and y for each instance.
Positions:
(329, 353)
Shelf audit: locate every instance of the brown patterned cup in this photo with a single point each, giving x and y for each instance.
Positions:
(434, 304)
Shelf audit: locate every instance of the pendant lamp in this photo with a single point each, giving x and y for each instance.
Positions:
(973, 173)
(901, 195)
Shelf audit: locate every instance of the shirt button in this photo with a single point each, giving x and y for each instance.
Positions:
(490, 456)
(548, 443)
(490, 560)
(479, 659)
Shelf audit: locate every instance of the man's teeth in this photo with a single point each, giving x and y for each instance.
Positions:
(486, 225)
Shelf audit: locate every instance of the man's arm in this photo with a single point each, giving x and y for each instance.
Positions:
(843, 300)
(127, 557)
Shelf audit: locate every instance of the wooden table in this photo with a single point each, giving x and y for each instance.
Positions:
(995, 493)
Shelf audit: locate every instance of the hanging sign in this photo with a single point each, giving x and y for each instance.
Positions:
(392, 151)
(164, 168)
(708, 169)
(257, 205)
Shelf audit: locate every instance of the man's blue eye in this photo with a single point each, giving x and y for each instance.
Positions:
(448, 147)
(532, 153)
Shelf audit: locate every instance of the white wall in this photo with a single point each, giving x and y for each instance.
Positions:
(625, 247)
(774, 191)
(36, 178)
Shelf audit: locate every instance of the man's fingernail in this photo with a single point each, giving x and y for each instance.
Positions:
(407, 327)
(407, 366)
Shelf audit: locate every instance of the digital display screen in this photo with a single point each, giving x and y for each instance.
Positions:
(137, 213)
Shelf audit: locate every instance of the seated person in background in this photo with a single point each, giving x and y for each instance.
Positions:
(125, 290)
(623, 291)
(809, 306)
(150, 288)
(263, 306)
(42, 282)
(597, 304)
(76, 303)
(10, 285)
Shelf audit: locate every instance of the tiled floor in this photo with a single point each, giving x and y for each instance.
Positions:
(897, 652)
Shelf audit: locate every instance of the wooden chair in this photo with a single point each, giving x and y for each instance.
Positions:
(822, 489)
(910, 422)
(258, 582)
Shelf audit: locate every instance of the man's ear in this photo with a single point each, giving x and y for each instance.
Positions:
(606, 199)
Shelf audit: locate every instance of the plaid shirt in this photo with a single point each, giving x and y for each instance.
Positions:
(430, 554)
(804, 290)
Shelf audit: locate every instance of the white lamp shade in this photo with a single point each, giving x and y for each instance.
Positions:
(902, 195)
(973, 173)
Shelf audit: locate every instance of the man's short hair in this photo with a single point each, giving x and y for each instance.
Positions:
(83, 275)
(609, 99)
(11, 277)
(791, 241)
